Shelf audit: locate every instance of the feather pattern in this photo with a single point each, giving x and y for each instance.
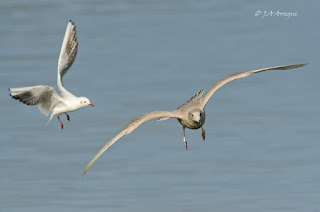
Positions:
(44, 97)
(69, 49)
(193, 99)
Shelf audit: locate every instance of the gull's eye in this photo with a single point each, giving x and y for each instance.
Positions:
(80, 102)
(85, 101)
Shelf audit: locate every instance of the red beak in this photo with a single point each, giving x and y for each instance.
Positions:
(91, 105)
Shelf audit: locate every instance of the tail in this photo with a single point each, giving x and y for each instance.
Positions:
(49, 119)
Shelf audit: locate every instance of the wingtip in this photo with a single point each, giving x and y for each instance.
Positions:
(83, 173)
(10, 94)
(300, 65)
(71, 22)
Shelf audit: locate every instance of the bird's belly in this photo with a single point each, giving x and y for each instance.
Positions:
(62, 108)
(190, 124)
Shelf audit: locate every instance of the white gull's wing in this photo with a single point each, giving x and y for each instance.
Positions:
(68, 52)
(234, 76)
(45, 97)
(131, 126)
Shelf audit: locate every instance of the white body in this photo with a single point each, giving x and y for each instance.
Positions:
(45, 97)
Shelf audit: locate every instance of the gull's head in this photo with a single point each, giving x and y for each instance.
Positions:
(197, 115)
(84, 101)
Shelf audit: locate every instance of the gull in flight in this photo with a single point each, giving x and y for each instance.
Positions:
(45, 97)
(190, 115)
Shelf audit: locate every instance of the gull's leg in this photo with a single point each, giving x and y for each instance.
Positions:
(68, 117)
(184, 137)
(203, 134)
(60, 123)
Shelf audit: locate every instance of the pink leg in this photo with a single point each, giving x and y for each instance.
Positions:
(60, 123)
(68, 117)
(184, 138)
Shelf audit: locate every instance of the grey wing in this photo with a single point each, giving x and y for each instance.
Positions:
(234, 76)
(131, 126)
(190, 101)
(45, 97)
(69, 49)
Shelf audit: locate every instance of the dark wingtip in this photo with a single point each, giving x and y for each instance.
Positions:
(83, 173)
(10, 93)
(72, 22)
(301, 65)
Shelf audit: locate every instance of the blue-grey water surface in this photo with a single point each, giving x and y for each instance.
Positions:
(262, 151)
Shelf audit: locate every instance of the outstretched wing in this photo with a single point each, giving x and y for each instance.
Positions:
(68, 51)
(131, 126)
(45, 97)
(234, 76)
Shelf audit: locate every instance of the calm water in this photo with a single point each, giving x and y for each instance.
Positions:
(262, 147)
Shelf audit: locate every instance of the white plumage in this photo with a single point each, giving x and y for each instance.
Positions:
(45, 97)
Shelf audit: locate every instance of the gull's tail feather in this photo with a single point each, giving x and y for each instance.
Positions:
(49, 120)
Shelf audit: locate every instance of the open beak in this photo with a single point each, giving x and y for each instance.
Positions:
(91, 105)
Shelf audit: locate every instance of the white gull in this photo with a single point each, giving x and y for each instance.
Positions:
(45, 97)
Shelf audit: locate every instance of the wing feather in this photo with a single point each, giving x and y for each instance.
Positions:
(44, 97)
(191, 100)
(234, 76)
(69, 49)
(131, 126)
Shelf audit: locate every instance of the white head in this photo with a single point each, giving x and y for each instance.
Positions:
(84, 101)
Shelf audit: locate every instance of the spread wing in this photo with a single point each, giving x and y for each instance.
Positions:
(68, 51)
(45, 97)
(234, 76)
(131, 126)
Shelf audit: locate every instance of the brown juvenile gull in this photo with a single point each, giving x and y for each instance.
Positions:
(45, 97)
(191, 114)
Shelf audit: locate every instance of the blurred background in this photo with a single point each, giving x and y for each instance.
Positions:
(261, 151)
